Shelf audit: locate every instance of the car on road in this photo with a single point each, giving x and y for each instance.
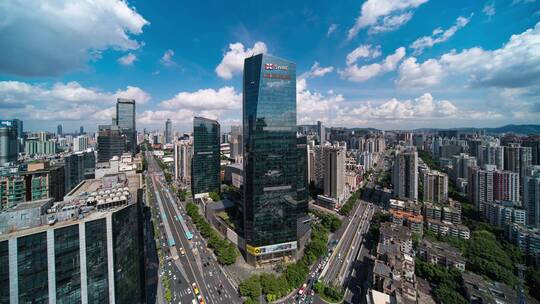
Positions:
(182, 251)
(302, 289)
(200, 298)
(195, 289)
(188, 291)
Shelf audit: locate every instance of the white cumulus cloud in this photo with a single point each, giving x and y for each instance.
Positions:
(489, 9)
(53, 37)
(127, 59)
(233, 60)
(363, 51)
(331, 29)
(384, 15)
(225, 98)
(515, 65)
(363, 73)
(438, 35)
(62, 101)
(414, 75)
(317, 71)
(167, 58)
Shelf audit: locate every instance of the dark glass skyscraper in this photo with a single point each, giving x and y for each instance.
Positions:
(206, 156)
(125, 119)
(110, 142)
(8, 144)
(168, 131)
(270, 158)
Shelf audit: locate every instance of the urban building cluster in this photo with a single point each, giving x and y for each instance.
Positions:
(71, 215)
(498, 175)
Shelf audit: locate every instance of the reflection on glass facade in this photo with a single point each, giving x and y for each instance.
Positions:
(67, 264)
(96, 261)
(128, 254)
(125, 119)
(4, 272)
(302, 179)
(206, 156)
(32, 268)
(270, 150)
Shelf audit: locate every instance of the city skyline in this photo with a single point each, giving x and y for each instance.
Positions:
(403, 67)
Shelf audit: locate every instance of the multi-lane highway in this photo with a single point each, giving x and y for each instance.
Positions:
(340, 263)
(197, 264)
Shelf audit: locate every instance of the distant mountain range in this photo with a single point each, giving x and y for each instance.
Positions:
(516, 129)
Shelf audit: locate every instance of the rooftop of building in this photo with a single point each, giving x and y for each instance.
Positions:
(441, 249)
(388, 229)
(89, 200)
(489, 292)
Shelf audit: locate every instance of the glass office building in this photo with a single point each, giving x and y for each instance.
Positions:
(125, 120)
(128, 255)
(168, 131)
(67, 264)
(270, 158)
(110, 142)
(302, 185)
(96, 261)
(205, 171)
(73, 263)
(32, 269)
(4, 272)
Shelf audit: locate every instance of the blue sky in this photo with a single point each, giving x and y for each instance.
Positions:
(379, 63)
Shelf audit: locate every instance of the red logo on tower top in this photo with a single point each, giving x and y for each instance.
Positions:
(271, 66)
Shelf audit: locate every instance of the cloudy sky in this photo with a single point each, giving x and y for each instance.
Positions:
(377, 63)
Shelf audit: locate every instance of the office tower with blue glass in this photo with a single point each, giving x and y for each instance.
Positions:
(271, 197)
(87, 248)
(125, 120)
(206, 161)
(8, 144)
(168, 131)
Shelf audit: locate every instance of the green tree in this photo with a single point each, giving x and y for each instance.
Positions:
(532, 277)
(214, 196)
(251, 287)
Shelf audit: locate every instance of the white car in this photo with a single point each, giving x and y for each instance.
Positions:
(189, 290)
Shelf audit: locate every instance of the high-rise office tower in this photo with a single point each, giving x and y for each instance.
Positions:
(492, 155)
(302, 185)
(168, 131)
(531, 196)
(206, 163)
(236, 143)
(506, 186)
(111, 142)
(517, 159)
(80, 143)
(183, 154)
(474, 147)
(405, 174)
(76, 256)
(8, 144)
(81, 130)
(334, 172)
(435, 187)
(321, 132)
(480, 187)
(59, 130)
(534, 143)
(125, 120)
(270, 158)
(461, 165)
(17, 124)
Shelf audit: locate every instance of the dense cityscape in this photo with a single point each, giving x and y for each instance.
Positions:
(274, 194)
